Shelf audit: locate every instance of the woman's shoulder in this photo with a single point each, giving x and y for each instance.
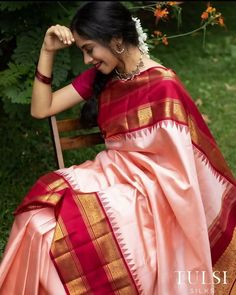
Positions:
(158, 68)
(148, 63)
(83, 82)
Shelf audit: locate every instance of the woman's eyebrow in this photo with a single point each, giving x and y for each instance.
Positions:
(87, 44)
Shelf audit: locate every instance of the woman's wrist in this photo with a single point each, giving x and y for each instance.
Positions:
(44, 50)
(42, 78)
(45, 65)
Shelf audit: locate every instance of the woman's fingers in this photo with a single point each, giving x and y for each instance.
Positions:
(58, 37)
(63, 33)
(58, 33)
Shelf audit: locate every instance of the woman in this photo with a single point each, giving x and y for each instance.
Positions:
(154, 213)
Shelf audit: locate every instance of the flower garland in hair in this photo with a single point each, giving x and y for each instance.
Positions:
(142, 37)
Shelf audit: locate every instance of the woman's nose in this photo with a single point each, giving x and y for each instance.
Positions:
(87, 59)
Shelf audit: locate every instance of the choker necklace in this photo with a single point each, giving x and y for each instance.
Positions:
(129, 76)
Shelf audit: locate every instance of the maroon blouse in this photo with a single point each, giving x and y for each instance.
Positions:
(83, 83)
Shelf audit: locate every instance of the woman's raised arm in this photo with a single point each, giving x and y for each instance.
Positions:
(44, 102)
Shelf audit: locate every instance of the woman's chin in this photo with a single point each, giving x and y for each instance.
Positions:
(105, 70)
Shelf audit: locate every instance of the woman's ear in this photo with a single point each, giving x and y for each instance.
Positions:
(117, 45)
(115, 41)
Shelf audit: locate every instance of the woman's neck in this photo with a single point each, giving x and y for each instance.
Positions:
(130, 60)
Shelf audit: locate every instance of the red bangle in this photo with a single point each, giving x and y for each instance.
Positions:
(43, 78)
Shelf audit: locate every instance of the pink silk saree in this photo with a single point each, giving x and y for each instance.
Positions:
(153, 214)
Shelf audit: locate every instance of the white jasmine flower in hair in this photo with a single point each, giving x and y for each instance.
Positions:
(142, 37)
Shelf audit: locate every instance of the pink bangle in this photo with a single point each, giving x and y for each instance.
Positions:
(42, 78)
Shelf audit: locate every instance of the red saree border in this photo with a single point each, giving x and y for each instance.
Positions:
(172, 109)
(105, 270)
(148, 76)
(47, 191)
(136, 286)
(88, 261)
(106, 244)
(155, 96)
(73, 280)
(221, 230)
(156, 85)
(226, 263)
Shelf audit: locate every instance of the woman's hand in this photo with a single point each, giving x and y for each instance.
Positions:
(57, 37)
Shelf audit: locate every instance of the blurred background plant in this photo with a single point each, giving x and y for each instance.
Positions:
(206, 71)
(169, 10)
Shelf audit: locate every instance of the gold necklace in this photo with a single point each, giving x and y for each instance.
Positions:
(130, 76)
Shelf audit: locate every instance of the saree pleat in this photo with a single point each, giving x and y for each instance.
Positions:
(26, 266)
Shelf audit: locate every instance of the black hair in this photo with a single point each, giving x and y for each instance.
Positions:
(101, 21)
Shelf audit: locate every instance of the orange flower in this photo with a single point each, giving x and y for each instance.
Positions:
(158, 33)
(204, 15)
(161, 13)
(164, 40)
(172, 3)
(210, 9)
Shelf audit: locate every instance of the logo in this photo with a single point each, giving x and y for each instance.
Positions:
(200, 282)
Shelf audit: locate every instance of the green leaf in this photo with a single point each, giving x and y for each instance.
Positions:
(12, 5)
(61, 67)
(28, 47)
(233, 50)
(12, 74)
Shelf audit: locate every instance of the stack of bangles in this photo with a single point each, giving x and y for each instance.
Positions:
(42, 78)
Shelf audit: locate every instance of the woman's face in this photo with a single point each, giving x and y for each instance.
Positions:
(96, 54)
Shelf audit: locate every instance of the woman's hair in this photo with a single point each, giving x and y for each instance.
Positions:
(101, 21)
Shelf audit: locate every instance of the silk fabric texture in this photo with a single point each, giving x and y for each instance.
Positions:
(157, 205)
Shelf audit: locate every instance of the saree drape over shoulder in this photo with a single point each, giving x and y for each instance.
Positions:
(153, 214)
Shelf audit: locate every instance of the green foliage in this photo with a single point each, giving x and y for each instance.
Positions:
(61, 68)
(132, 5)
(23, 25)
(28, 46)
(13, 6)
(16, 83)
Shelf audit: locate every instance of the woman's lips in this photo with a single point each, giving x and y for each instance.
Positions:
(98, 65)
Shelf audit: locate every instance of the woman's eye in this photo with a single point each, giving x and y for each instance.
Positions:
(89, 51)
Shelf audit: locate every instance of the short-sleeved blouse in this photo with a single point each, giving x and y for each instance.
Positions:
(83, 83)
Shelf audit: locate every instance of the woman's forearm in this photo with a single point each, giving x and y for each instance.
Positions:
(44, 103)
(42, 93)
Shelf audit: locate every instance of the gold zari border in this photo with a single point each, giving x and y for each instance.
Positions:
(67, 262)
(170, 109)
(105, 244)
(227, 262)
